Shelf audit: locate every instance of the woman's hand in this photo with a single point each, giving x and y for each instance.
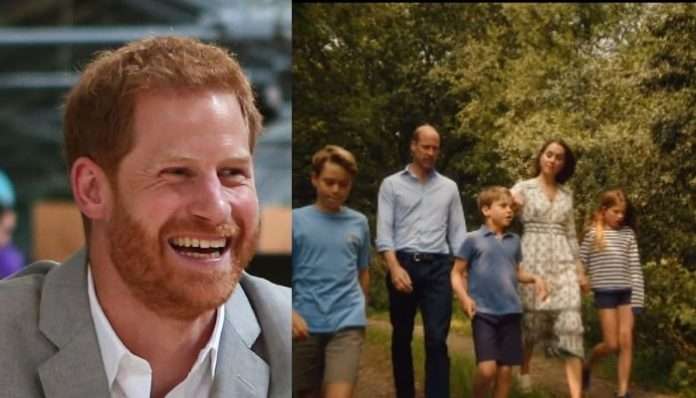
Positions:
(583, 282)
(517, 201)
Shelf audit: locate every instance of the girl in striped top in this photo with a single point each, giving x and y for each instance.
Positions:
(609, 253)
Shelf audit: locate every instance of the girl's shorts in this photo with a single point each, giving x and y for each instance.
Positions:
(604, 299)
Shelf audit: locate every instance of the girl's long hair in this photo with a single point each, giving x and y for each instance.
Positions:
(609, 199)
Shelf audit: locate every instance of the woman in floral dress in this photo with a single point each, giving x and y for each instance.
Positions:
(550, 249)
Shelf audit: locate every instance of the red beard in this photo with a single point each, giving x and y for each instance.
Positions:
(170, 290)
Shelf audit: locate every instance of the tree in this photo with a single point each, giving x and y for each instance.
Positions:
(616, 81)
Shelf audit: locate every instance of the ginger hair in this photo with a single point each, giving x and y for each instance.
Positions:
(100, 108)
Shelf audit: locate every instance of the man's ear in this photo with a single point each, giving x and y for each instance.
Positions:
(91, 189)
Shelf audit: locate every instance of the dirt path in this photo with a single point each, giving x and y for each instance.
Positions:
(375, 378)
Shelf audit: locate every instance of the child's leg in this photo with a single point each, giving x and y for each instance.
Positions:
(338, 390)
(573, 368)
(510, 352)
(483, 330)
(308, 366)
(625, 315)
(503, 380)
(609, 320)
(342, 359)
(484, 376)
(568, 330)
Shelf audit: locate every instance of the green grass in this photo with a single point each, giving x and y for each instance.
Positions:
(461, 365)
(650, 370)
(645, 371)
(379, 315)
(460, 322)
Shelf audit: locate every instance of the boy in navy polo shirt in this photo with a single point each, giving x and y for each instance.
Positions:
(484, 278)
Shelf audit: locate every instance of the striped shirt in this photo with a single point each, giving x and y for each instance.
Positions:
(617, 265)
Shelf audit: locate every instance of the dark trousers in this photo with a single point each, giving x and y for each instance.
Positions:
(432, 292)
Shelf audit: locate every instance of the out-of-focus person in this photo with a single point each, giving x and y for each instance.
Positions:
(11, 258)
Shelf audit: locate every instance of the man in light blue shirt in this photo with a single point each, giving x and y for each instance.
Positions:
(420, 220)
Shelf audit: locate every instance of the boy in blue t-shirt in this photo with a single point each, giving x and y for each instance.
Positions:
(330, 279)
(484, 278)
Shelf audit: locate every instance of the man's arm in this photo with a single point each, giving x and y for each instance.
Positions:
(385, 238)
(460, 285)
(385, 217)
(456, 228)
(399, 277)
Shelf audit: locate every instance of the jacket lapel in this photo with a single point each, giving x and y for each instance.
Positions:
(76, 370)
(240, 372)
(273, 308)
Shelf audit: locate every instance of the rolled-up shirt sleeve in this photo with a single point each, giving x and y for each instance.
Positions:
(385, 217)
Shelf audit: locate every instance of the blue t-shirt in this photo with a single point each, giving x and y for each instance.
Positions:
(327, 251)
(493, 270)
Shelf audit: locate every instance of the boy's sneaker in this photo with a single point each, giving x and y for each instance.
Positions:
(586, 378)
(525, 383)
(627, 395)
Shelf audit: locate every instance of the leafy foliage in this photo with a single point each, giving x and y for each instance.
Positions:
(616, 81)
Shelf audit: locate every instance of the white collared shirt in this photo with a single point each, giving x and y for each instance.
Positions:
(130, 376)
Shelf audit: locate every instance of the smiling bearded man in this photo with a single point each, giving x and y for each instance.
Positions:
(181, 294)
(207, 223)
(159, 138)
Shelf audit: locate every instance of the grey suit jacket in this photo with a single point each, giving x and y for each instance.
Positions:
(49, 347)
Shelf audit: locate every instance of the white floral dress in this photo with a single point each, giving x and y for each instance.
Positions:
(550, 250)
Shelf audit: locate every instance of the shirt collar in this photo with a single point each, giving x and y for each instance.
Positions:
(433, 173)
(487, 231)
(114, 351)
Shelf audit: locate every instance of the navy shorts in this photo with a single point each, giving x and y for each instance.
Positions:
(604, 299)
(498, 338)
